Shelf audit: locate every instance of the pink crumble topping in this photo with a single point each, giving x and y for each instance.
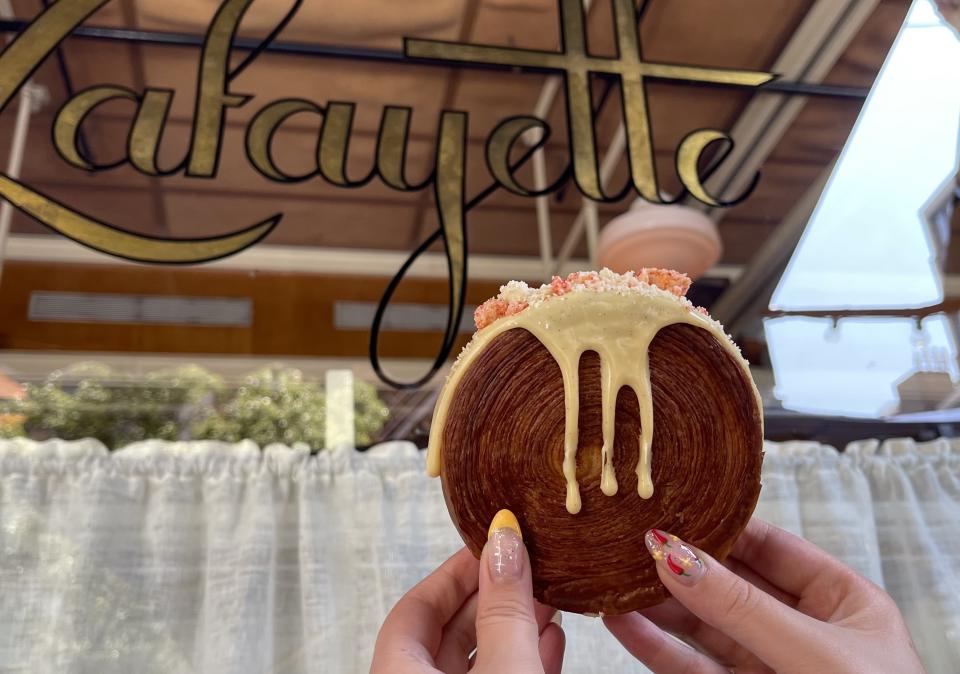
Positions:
(559, 286)
(493, 309)
(516, 296)
(672, 281)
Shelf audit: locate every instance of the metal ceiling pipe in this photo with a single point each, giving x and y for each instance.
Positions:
(542, 204)
(585, 220)
(591, 221)
(165, 38)
(15, 162)
(548, 95)
(30, 95)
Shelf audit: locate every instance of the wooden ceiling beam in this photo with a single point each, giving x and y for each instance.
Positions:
(825, 34)
(300, 259)
(750, 294)
(816, 48)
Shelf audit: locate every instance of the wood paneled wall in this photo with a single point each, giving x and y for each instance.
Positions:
(292, 313)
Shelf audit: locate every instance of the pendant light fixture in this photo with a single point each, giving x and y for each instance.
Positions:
(655, 235)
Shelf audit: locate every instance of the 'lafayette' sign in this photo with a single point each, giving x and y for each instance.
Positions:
(214, 97)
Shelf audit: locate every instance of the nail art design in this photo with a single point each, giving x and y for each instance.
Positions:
(505, 541)
(504, 520)
(672, 553)
(506, 556)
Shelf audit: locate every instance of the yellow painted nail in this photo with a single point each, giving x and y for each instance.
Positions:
(504, 520)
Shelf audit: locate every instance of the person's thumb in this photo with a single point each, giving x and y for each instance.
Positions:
(507, 632)
(719, 597)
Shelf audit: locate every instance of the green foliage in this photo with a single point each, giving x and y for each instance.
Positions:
(272, 405)
(91, 400)
(11, 425)
(370, 412)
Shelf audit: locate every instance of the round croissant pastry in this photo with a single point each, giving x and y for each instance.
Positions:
(596, 408)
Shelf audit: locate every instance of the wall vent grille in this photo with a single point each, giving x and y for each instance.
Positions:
(67, 307)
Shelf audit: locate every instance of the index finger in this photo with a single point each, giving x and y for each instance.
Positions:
(787, 561)
(415, 625)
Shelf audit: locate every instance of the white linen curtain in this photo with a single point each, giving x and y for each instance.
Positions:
(213, 558)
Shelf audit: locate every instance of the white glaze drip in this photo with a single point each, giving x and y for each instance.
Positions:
(619, 327)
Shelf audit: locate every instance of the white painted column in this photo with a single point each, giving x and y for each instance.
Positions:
(15, 161)
(340, 430)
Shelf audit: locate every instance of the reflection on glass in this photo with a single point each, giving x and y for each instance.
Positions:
(119, 405)
(854, 369)
(874, 241)
(867, 244)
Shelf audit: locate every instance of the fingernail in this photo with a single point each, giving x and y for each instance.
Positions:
(504, 520)
(506, 548)
(675, 556)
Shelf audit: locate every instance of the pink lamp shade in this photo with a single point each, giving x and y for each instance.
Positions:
(654, 235)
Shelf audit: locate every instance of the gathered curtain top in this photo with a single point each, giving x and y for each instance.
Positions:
(202, 457)
(221, 459)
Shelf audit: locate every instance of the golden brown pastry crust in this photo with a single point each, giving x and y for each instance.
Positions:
(502, 447)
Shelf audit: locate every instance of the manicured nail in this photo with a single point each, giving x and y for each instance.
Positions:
(504, 520)
(678, 558)
(506, 548)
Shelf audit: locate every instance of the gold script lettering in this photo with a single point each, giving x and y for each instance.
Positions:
(502, 140)
(66, 125)
(448, 189)
(144, 140)
(335, 145)
(260, 136)
(688, 161)
(576, 65)
(213, 97)
(115, 241)
(17, 61)
(392, 148)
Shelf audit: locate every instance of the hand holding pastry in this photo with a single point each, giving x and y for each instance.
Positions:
(466, 605)
(614, 391)
(778, 603)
